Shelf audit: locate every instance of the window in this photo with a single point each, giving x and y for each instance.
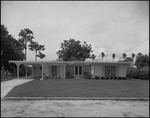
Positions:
(54, 70)
(80, 70)
(76, 70)
(110, 71)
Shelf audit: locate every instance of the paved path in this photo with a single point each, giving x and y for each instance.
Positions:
(6, 86)
(74, 108)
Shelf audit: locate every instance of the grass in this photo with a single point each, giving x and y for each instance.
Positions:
(81, 88)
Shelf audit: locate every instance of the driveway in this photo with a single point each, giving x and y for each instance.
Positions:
(74, 108)
(6, 86)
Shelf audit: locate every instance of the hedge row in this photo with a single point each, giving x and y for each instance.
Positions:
(138, 73)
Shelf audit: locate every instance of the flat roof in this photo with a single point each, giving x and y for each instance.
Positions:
(66, 62)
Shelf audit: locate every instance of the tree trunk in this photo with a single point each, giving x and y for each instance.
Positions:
(35, 55)
(25, 51)
(25, 54)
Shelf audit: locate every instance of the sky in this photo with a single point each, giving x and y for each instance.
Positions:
(109, 26)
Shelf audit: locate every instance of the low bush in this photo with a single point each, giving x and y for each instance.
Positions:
(96, 77)
(87, 75)
(102, 77)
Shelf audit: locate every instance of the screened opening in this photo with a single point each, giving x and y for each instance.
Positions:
(110, 71)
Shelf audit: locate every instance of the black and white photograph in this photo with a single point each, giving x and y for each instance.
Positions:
(74, 58)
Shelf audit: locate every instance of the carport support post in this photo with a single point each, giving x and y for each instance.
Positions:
(64, 71)
(26, 70)
(42, 71)
(92, 70)
(18, 70)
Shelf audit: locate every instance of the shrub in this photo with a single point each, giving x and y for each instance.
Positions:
(87, 75)
(102, 77)
(138, 73)
(96, 77)
(144, 73)
(115, 77)
(106, 77)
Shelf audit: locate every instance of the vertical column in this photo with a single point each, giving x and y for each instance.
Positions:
(92, 70)
(32, 70)
(64, 71)
(18, 70)
(42, 72)
(26, 70)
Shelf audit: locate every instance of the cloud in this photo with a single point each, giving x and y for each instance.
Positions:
(98, 50)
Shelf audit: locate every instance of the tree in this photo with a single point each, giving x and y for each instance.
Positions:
(142, 60)
(10, 50)
(133, 55)
(113, 56)
(124, 55)
(74, 50)
(102, 54)
(34, 46)
(41, 55)
(26, 35)
(93, 56)
(128, 59)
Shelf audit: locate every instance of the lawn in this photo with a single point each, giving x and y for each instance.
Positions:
(81, 88)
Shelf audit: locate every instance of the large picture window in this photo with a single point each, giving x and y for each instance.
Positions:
(110, 71)
(54, 70)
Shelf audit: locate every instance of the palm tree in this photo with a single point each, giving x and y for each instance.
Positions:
(102, 54)
(93, 56)
(133, 55)
(113, 56)
(26, 35)
(34, 46)
(124, 55)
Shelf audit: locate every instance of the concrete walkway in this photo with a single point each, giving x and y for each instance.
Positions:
(8, 85)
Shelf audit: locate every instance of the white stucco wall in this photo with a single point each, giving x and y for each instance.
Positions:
(61, 71)
(36, 71)
(122, 70)
(98, 70)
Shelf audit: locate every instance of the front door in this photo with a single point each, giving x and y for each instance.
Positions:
(78, 71)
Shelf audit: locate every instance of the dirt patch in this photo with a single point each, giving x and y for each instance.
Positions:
(74, 108)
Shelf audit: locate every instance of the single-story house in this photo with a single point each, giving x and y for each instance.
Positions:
(76, 69)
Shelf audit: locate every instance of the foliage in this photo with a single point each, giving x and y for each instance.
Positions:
(22, 71)
(93, 56)
(142, 60)
(102, 54)
(87, 75)
(10, 50)
(132, 55)
(26, 35)
(124, 55)
(34, 46)
(74, 50)
(128, 59)
(113, 55)
(139, 73)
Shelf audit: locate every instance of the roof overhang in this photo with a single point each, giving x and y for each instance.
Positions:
(66, 62)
